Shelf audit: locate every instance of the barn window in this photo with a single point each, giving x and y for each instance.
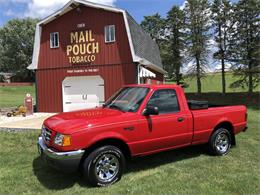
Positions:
(110, 34)
(54, 40)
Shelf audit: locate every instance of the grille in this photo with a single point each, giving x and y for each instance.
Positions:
(46, 134)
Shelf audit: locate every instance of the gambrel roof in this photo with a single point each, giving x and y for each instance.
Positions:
(143, 49)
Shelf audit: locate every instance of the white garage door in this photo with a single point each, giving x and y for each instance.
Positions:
(82, 92)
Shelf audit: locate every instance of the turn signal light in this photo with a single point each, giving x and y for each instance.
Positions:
(62, 140)
(66, 140)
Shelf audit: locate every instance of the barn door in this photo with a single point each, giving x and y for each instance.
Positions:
(82, 92)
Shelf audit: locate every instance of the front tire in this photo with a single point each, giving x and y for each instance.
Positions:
(104, 166)
(220, 142)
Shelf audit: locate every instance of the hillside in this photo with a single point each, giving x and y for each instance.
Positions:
(212, 83)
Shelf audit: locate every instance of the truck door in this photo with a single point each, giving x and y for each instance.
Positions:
(172, 127)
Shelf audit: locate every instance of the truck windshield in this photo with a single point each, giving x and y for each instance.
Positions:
(127, 99)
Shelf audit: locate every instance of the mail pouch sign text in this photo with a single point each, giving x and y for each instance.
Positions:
(82, 48)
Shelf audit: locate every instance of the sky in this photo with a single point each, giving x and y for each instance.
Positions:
(10, 9)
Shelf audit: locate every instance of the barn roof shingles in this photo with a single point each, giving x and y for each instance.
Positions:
(144, 46)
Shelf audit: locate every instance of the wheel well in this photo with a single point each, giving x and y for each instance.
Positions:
(110, 141)
(227, 125)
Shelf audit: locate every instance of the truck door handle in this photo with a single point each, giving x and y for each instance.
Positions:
(180, 119)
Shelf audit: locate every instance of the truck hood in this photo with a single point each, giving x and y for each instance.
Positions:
(71, 122)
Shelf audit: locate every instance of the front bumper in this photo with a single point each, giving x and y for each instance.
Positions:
(64, 161)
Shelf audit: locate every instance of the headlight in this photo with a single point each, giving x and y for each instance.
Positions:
(62, 140)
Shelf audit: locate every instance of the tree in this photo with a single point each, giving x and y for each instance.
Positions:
(17, 38)
(175, 37)
(245, 47)
(197, 15)
(221, 11)
(154, 25)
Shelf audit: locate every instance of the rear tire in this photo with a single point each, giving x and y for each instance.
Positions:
(104, 166)
(220, 142)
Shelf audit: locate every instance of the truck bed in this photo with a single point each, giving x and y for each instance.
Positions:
(206, 116)
(198, 105)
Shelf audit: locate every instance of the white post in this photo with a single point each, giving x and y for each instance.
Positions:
(138, 73)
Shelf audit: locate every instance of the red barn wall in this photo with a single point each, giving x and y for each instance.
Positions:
(113, 63)
(49, 83)
(117, 52)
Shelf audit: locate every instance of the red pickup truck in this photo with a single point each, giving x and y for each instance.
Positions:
(138, 120)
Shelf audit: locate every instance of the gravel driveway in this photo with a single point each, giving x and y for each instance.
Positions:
(19, 123)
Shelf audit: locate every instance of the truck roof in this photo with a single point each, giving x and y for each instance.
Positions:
(154, 86)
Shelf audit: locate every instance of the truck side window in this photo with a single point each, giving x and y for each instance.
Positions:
(166, 101)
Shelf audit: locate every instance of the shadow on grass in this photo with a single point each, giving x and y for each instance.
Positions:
(152, 161)
(56, 180)
(51, 178)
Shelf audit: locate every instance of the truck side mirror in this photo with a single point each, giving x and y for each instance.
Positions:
(150, 110)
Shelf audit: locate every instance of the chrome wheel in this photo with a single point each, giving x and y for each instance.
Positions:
(107, 167)
(222, 142)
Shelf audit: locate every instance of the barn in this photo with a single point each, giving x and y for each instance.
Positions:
(85, 52)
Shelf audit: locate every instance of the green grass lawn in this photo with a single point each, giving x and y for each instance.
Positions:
(14, 96)
(213, 83)
(186, 171)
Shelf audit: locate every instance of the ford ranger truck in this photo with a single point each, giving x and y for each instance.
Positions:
(138, 120)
